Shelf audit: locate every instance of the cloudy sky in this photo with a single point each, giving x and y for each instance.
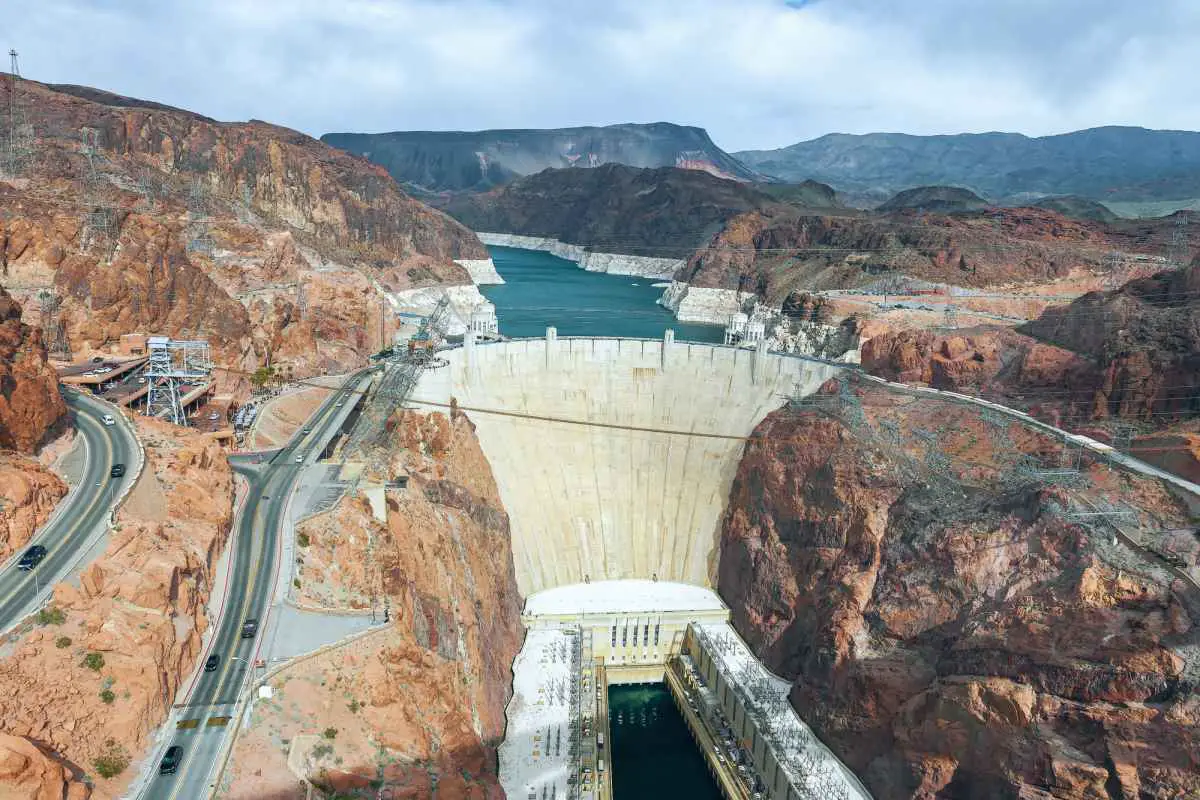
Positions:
(755, 73)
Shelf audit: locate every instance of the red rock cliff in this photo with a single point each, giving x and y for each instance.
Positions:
(418, 705)
(152, 219)
(959, 643)
(30, 404)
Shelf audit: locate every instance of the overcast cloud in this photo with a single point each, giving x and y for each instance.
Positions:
(755, 73)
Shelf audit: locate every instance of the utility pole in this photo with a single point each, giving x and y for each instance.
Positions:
(14, 72)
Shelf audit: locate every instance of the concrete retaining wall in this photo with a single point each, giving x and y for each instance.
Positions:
(600, 501)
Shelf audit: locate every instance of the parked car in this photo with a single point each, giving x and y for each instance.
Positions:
(210, 664)
(214, 416)
(117, 471)
(97, 359)
(250, 628)
(32, 557)
(170, 760)
(107, 419)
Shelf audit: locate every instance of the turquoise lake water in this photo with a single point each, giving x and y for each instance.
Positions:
(653, 754)
(542, 290)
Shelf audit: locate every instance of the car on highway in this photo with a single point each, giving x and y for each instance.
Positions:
(142, 379)
(117, 471)
(306, 430)
(108, 419)
(299, 458)
(249, 628)
(210, 664)
(170, 760)
(31, 558)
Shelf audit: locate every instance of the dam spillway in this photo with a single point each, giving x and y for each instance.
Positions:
(614, 457)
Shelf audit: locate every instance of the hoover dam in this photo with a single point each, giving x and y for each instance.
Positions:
(614, 457)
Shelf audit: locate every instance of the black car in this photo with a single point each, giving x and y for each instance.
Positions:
(32, 557)
(170, 760)
(117, 471)
(249, 628)
(210, 664)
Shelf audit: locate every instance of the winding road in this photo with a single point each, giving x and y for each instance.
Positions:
(82, 516)
(201, 722)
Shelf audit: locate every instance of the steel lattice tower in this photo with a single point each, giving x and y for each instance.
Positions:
(171, 363)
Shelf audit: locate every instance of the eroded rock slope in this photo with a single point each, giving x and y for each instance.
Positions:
(949, 632)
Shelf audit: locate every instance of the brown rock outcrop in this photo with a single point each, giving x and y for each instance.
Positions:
(30, 404)
(420, 704)
(991, 361)
(132, 630)
(28, 493)
(950, 635)
(774, 252)
(1145, 341)
(26, 773)
(235, 232)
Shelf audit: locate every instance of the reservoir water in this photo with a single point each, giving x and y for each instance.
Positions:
(653, 755)
(542, 290)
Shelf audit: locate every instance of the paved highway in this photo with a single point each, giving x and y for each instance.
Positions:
(202, 721)
(80, 516)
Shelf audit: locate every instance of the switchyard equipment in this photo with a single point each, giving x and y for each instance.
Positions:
(401, 371)
(171, 364)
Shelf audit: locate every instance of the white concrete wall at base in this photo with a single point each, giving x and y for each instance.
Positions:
(599, 501)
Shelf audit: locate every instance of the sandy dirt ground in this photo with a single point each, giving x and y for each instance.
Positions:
(282, 416)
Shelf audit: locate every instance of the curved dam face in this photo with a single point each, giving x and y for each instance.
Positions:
(591, 452)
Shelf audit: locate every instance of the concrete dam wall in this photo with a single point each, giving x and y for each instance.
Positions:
(589, 498)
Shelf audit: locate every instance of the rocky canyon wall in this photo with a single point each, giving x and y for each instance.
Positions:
(91, 679)
(143, 218)
(30, 403)
(948, 632)
(418, 705)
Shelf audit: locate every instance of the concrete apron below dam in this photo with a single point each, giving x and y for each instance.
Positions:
(614, 459)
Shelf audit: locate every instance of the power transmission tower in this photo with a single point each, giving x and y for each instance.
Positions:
(172, 365)
(100, 223)
(53, 331)
(17, 144)
(199, 240)
(1177, 255)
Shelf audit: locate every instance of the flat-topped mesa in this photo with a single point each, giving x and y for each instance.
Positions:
(614, 457)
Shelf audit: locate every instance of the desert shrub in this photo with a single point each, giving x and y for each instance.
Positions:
(51, 616)
(94, 661)
(112, 762)
(302, 539)
(331, 733)
(62, 642)
(107, 696)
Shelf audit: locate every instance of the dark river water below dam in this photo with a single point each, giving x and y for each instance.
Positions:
(542, 290)
(653, 754)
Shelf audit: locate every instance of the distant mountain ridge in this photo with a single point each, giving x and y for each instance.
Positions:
(665, 212)
(439, 161)
(1109, 163)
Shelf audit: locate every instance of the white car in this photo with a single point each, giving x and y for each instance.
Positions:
(214, 416)
(299, 458)
(108, 419)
